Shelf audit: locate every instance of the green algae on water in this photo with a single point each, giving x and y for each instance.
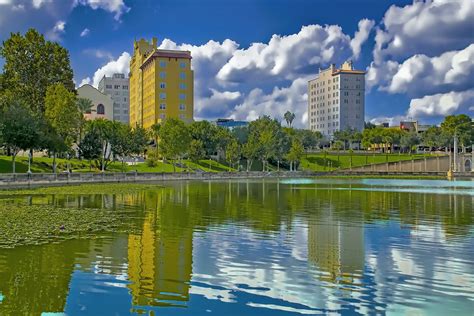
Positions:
(95, 188)
(40, 224)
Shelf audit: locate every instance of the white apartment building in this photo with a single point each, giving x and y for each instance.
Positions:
(336, 99)
(117, 87)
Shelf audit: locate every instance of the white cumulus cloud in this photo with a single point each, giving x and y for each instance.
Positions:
(428, 28)
(420, 74)
(117, 7)
(293, 98)
(361, 36)
(84, 81)
(288, 57)
(121, 65)
(442, 104)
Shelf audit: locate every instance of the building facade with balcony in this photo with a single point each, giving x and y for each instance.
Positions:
(161, 84)
(336, 100)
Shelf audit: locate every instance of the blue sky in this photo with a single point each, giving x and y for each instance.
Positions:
(254, 57)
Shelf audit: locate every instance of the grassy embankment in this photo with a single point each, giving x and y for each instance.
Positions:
(329, 162)
(313, 162)
(44, 164)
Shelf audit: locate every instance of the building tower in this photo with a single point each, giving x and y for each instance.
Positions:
(161, 84)
(336, 99)
(117, 87)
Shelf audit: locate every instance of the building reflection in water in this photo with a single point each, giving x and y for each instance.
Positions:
(245, 235)
(336, 248)
(160, 257)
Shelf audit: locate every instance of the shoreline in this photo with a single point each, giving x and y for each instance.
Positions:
(15, 181)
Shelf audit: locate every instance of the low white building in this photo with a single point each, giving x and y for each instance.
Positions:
(102, 104)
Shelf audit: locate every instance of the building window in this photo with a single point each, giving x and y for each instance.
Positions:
(182, 64)
(162, 64)
(162, 96)
(100, 109)
(117, 86)
(125, 87)
(182, 107)
(162, 106)
(182, 116)
(182, 96)
(108, 86)
(162, 75)
(182, 86)
(162, 85)
(162, 116)
(182, 75)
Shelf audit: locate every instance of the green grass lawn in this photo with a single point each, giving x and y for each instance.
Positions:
(320, 162)
(314, 162)
(44, 164)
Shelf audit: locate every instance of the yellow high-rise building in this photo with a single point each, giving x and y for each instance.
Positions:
(161, 84)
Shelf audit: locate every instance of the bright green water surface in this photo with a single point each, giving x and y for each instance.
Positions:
(289, 247)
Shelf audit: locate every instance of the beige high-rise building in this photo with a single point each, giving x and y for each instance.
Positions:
(336, 99)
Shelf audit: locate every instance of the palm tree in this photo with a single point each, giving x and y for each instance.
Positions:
(84, 106)
(155, 132)
(289, 117)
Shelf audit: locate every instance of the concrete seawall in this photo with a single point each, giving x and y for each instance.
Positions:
(51, 179)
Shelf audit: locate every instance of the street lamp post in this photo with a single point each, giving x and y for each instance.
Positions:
(455, 160)
(68, 163)
(29, 162)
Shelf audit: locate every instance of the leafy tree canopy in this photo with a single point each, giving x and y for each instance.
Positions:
(32, 64)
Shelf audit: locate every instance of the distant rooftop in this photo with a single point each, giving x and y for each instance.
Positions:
(347, 68)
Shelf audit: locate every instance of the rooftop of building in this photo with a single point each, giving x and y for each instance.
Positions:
(155, 52)
(346, 68)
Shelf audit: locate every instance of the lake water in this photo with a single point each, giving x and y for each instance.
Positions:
(289, 247)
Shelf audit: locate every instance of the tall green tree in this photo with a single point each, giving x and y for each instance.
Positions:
(19, 129)
(232, 152)
(103, 130)
(207, 134)
(295, 153)
(62, 114)
(434, 136)
(32, 64)
(263, 135)
(90, 146)
(251, 151)
(410, 140)
(175, 139)
(460, 126)
(309, 139)
(196, 150)
(140, 140)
